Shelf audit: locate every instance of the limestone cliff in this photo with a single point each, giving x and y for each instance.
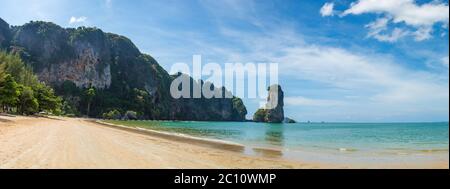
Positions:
(5, 34)
(126, 79)
(82, 56)
(273, 112)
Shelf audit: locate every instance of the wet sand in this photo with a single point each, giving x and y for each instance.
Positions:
(37, 142)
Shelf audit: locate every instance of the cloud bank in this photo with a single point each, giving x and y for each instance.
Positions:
(408, 18)
(76, 20)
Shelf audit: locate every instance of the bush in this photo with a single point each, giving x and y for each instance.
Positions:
(113, 114)
(130, 115)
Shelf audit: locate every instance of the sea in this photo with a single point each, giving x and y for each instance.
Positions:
(364, 141)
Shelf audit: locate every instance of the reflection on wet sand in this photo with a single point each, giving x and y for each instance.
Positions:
(272, 153)
(274, 136)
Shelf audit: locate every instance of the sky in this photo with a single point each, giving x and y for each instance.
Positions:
(339, 61)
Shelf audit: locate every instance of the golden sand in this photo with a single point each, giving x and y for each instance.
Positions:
(38, 142)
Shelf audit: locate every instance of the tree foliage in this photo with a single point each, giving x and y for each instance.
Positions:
(20, 89)
(27, 103)
(113, 114)
(90, 93)
(9, 92)
(46, 97)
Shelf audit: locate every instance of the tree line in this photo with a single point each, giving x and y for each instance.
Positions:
(22, 93)
(20, 90)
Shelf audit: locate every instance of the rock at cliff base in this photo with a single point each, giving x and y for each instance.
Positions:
(289, 120)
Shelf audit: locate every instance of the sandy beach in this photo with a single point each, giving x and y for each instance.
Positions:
(38, 142)
(76, 143)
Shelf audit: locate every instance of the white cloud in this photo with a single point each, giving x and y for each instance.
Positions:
(74, 20)
(437, 62)
(445, 61)
(327, 9)
(423, 33)
(378, 25)
(396, 34)
(303, 101)
(403, 11)
(421, 17)
(326, 82)
(381, 84)
(379, 30)
(384, 88)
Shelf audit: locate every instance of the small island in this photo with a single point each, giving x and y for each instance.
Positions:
(273, 112)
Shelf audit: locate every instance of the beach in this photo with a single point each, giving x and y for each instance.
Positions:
(27, 142)
(57, 142)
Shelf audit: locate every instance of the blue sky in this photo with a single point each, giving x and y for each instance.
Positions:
(351, 60)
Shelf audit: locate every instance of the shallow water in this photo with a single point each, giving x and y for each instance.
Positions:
(336, 138)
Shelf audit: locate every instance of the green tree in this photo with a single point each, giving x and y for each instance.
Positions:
(12, 65)
(69, 109)
(46, 98)
(9, 92)
(28, 77)
(2, 72)
(27, 103)
(90, 93)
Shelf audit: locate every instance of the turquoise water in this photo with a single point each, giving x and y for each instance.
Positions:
(334, 137)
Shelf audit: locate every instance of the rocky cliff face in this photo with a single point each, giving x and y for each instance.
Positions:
(126, 79)
(273, 112)
(275, 104)
(217, 108)
(5, 34)
(82, 56)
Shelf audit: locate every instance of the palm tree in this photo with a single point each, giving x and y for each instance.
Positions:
(90, 93)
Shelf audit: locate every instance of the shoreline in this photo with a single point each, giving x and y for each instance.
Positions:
(38, 142)
(213, 143)
(202, 141)
(339, 157)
